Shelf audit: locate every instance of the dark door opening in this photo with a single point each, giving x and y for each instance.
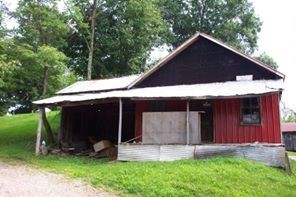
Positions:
(207, 134)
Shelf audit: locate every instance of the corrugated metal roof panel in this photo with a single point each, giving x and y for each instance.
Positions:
(196, 91)
(288, 127)
(99, 85)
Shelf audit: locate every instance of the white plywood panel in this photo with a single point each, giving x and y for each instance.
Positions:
(170, 128)
(194, 128)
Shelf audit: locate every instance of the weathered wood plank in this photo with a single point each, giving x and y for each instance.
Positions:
(120, 121)
(38, 137)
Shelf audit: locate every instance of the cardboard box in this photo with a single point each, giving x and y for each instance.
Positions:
(101, 145)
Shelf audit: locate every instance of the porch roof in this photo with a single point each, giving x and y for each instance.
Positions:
(196, 91)
(99, 85)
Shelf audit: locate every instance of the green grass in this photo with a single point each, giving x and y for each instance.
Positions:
(290, 153)
(209, 177)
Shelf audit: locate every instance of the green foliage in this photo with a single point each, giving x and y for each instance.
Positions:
(40, 23)
(267, 60)
(207, 177)
(125, 33)
(288, 115)
(35, 47)
(232, 21)
(7, 67)
(3, 9)
(28, 79)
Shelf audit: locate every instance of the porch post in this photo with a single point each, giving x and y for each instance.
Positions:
(120, 121)
(38, 138)
(187, 121)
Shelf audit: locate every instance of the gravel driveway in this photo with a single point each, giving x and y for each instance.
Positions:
(22, 181)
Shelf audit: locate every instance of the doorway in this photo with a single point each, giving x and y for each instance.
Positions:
(207, 129)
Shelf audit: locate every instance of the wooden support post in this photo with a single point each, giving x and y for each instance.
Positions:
(187, 121)
(120, 121)
(38, 138)
(199, 128)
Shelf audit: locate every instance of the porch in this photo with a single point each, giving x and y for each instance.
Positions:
(170, 121)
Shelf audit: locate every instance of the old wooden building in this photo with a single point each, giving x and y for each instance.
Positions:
(289, 135)
(202, 94)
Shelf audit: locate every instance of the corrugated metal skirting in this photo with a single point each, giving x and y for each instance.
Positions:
(136, 152)
(269, 155)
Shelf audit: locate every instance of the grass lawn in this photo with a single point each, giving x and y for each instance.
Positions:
(208, 177)
(290, 153)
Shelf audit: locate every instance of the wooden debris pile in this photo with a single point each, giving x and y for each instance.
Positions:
(100, 149)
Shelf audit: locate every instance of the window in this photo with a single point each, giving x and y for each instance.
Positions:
(250, 111)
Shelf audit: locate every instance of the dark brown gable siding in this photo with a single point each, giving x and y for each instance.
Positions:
(204, 62)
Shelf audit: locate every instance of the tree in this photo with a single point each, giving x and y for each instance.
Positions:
(92, 37)
(41, 32)
(40, 26)
(84, 25)
(2, 15)
(40, 23)
(7, 67)
(232, 21)
(50, 59)
(288, 114)
(125, 33)
(267, 60)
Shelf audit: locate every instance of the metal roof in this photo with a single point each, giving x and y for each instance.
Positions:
(189, 42)
(196, 91)
(99, 85)
(288, 127)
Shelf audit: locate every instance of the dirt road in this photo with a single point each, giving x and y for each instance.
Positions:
(16, 180)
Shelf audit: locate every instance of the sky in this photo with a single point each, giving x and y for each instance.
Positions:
(277, 38)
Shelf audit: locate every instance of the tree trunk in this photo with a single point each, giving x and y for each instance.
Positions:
(91, 46)
(47, 127)
(45, 81)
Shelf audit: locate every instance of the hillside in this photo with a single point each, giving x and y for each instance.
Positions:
(209, 177)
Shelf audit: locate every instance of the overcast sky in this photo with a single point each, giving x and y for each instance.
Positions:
(277, 38)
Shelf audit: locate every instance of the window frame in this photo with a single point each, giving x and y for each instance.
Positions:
(250, 107)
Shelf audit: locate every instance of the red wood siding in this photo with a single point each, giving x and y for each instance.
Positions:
(141, 106)
(228, 129)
